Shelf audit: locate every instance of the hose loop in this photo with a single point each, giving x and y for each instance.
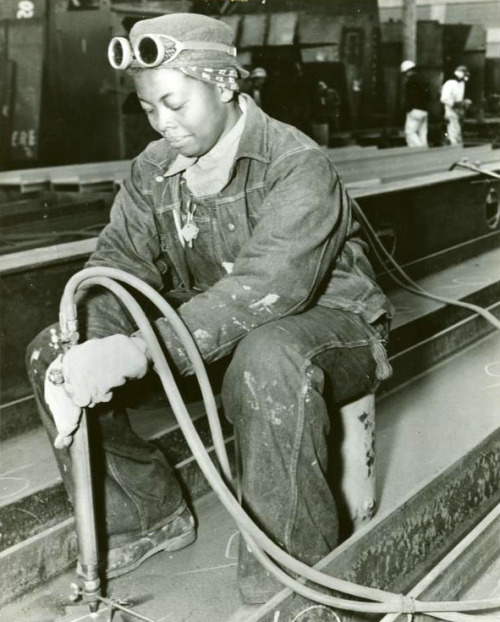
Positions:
(266, 551)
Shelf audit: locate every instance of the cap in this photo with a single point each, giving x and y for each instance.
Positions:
(462, 69)
(259, 72)
(191, 27)
(406, 65)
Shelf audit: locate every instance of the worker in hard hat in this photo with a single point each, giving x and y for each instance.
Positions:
(324, 113)
(416, 104)
(255, 85)
(455, 104)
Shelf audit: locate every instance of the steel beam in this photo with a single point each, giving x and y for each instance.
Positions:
(397, 549)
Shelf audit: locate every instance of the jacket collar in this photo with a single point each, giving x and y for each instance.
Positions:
(254, 142)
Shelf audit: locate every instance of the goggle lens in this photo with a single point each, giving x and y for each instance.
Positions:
(119, 53)
(148, 51)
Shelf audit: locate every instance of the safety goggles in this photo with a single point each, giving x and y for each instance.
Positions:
(154, 50)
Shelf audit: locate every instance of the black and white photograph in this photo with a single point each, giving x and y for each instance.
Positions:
(249, 310)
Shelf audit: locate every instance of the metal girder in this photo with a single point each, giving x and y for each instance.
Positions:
(396, 550)
(462, 572)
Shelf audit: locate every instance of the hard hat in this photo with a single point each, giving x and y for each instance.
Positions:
(406, 65)
(259, 72)
(463, 70)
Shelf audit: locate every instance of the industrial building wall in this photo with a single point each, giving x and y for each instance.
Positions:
(481, 12)
(333, 7)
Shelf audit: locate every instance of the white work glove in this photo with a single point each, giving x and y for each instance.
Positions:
(92, 369)
(66, 414)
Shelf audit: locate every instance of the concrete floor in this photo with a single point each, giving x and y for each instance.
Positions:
(422, 428)
(487, 586)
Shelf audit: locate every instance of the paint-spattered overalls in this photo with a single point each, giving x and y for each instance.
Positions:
(284, 293)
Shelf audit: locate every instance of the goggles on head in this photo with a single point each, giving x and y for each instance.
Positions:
(153, 50)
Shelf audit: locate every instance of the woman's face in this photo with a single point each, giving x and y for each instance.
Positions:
(190, 114)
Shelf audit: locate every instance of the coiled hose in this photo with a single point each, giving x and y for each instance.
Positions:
(265, 550)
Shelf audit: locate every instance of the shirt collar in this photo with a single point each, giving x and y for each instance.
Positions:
(179, 165)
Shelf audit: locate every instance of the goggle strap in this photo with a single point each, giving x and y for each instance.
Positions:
(180, 46)
(207, 45)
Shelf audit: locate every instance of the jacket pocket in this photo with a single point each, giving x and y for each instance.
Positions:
(232, 227)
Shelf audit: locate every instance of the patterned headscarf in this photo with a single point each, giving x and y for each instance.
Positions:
(227, 77)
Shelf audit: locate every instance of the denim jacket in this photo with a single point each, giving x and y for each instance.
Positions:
(279, 238)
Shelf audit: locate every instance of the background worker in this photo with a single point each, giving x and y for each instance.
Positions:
(455, 104)
(325, 113)
(256, 83)
(247, 221)
(416, 105)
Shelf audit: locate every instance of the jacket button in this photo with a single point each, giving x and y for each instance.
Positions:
(230, 226)
(159, 179)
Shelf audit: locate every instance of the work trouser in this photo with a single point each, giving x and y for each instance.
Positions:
(416, 128)
(453, 126)
(277, 390)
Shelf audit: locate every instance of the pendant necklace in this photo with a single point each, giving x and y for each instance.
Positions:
(190, 231)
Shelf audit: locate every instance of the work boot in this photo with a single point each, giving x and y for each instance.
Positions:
(256, 585)
(176, 532)
(173, 533)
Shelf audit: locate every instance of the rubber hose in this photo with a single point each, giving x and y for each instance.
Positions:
(387, 602)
